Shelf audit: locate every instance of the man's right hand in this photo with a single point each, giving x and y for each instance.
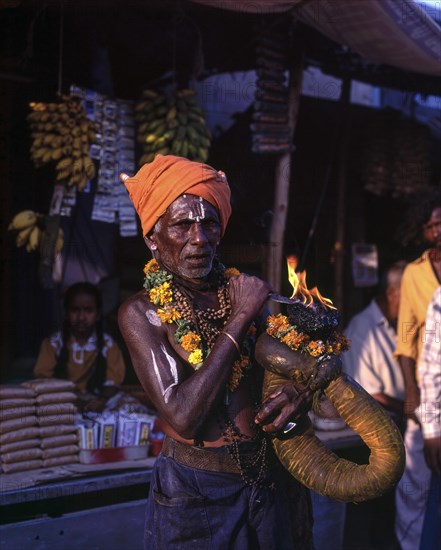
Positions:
(432, 454)
(248, 295)
(412, 402)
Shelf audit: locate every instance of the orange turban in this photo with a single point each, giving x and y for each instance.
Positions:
(157, 184)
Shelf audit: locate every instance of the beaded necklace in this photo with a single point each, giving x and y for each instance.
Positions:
(196, 329)
(196, 332)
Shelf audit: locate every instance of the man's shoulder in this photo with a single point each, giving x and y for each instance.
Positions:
(134, 307)
(363, 319)
(418, 263)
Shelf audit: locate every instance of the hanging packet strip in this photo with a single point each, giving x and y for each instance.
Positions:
(115, 152)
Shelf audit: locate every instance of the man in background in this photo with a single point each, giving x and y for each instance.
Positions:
(420, 280)
(429, 371)
(372, 332)
(371, 362)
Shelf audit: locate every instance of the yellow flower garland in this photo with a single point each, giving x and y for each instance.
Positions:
(158, 285)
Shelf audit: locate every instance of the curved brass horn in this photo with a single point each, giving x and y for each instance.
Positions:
(308, 459)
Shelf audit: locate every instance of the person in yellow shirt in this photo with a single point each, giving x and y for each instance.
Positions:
(81, 351)
(419, 282)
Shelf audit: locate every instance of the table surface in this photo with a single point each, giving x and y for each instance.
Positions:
(61, 481)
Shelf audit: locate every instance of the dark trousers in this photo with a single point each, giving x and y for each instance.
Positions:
(431, 536)
(194, 509)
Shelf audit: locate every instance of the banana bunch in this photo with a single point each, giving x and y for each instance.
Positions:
(171, 125)
(29, 226)
(62, 133)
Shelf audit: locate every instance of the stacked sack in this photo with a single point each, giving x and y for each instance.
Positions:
(19, 432)
(55, 414)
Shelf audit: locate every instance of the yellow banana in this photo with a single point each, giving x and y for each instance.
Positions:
(186, 92)
(184, 149)
(34, 239)
(23, 219)
(63, 175)
(150, 94)
(60, 241)
(172, 112)
(89, 167)
(48, 139)
(23, 236)
(57, 154)
(202, 154)
(82, 183)
(39, 153)
(64, 164)
(47, 156)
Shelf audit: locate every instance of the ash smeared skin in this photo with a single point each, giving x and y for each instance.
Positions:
(173, 370)
(153, 317)
(197, 213)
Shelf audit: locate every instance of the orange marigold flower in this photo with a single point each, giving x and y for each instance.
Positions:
(169, 315)
(151, 266)
(292, 339)
(230, 272)
(190, 341)
(316, 348)
(276, 324)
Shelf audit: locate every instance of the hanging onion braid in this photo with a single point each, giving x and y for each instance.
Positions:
(99, 367)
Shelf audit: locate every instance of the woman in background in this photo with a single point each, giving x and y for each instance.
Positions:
(81, 351)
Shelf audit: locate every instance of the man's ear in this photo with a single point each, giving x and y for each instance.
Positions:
(150, 242)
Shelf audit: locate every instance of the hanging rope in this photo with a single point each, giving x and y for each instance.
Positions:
(60, 48)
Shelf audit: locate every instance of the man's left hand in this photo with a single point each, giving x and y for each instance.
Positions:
(328, 369)
(284, 405)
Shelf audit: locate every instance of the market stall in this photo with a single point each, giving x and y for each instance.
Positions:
(81, 139)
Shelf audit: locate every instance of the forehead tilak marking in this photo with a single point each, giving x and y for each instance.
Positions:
(197, 211)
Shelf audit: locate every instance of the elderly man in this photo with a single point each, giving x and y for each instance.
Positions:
(371, 362)
(190, 334)
(372, 332)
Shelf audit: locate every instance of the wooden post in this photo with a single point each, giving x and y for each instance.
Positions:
(282, 179)
(339, 244)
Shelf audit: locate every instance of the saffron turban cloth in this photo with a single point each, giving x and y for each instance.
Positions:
(160, 182)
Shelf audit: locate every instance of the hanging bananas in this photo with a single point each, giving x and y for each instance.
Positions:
(23, 220)
(30, 227)
(62, 133)
(173, 125)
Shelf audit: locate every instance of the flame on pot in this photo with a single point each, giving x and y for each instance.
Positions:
(300, 288)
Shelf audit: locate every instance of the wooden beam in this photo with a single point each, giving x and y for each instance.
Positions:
(282, 179)
(340, 234)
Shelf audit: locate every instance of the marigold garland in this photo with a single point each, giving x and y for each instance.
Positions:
(278, 326)
(158, 284)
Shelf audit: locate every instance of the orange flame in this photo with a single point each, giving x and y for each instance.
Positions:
(300, 288)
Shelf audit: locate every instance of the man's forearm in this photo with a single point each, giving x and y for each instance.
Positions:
(408, 368)
(391, 404)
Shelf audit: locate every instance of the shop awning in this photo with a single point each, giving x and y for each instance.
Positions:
(392, 32)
